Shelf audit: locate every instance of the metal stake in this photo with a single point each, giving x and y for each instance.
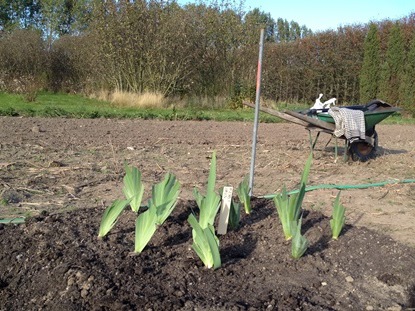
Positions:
(257, 100)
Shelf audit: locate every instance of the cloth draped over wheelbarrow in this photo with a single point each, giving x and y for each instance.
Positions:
(349, 122)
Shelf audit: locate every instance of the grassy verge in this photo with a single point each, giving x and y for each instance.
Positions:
(77, 106)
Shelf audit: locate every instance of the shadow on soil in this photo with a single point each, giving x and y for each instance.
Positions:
(384, 152)
(411, 300)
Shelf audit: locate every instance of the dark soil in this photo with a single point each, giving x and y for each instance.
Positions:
(63, 173)
(56, 262)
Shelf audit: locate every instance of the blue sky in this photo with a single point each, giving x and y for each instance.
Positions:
(329, 14)
(326, 14)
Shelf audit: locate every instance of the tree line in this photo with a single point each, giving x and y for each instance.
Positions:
(203, 49)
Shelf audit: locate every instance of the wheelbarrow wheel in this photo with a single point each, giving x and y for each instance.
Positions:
(363, 151)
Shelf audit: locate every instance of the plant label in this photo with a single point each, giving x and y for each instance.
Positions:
(225, 210)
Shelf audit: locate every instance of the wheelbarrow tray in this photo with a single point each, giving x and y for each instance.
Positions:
(374, 112)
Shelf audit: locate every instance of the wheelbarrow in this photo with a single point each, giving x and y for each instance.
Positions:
(320, 121)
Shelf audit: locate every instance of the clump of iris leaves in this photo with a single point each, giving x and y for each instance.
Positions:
(163, 200)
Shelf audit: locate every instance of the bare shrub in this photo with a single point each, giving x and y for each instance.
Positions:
(69, 64)
(30, 87)
(23, 60)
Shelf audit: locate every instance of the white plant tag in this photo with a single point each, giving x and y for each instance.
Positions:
(225, 210)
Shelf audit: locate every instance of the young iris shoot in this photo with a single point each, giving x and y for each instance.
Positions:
(338, 219)
(133, 187)
(164, 197)
(243, 194)
(160, 205)
(209, 204)
(110, 216)
(299, 243)
(289, 206)
(288, 211)
(163, 200)
(205, 243)
(234, 215)
(145, 227)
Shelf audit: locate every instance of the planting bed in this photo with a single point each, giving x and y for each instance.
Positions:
(64, 172)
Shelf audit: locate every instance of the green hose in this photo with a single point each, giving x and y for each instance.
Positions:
(15, 220)
(345, 187)
(19, 220)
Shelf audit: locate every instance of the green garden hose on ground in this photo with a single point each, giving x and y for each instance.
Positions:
(14, 220)
(345, 187)
(19, 220)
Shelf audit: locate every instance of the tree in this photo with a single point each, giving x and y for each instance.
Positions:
(305, 32)
(409, 80)
(369, 74)
(74, 16)
(290, 31)
(149, 47)
(18, 14)
(393, 67)
(60, 17)
(283, 30)
(295, 31)
(255, 20)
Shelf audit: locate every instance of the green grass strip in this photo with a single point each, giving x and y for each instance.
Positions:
(77, 106)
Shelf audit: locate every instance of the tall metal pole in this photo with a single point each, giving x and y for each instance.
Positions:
(257, 100)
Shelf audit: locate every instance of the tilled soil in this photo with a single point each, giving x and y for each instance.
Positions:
(65, 172)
